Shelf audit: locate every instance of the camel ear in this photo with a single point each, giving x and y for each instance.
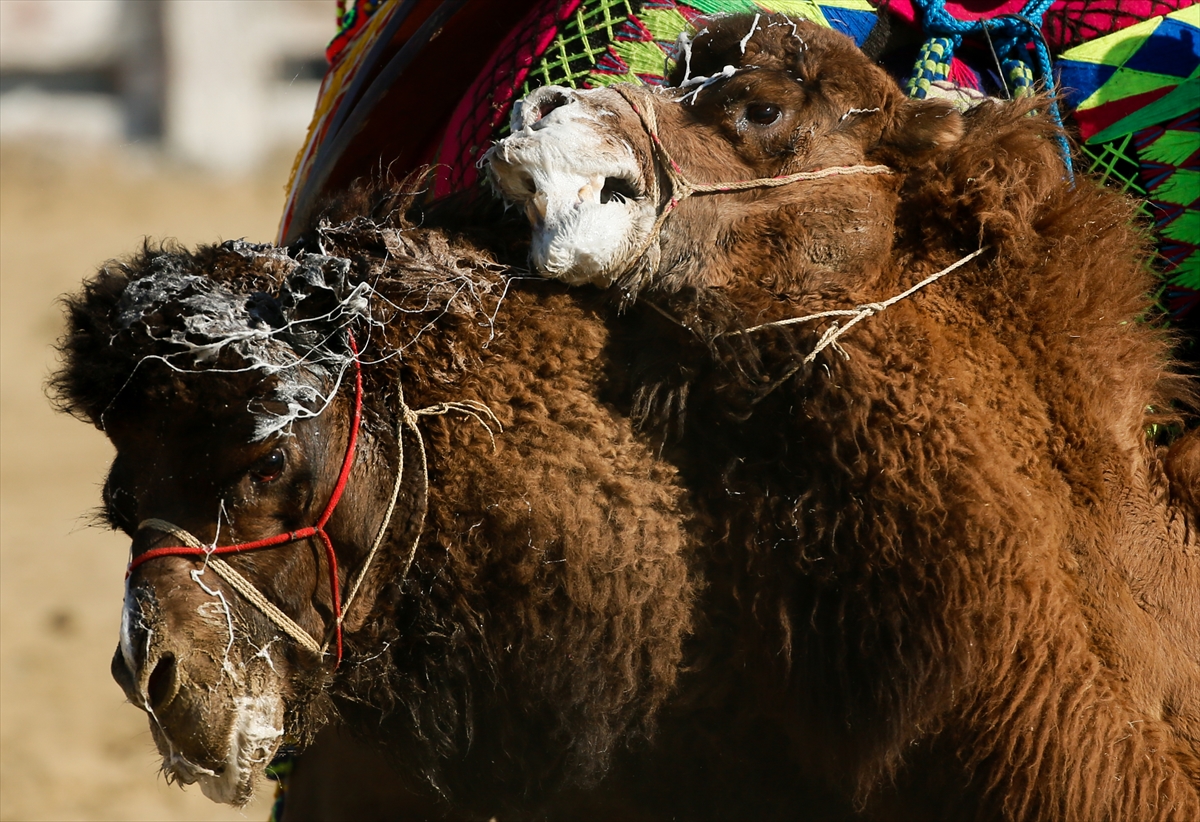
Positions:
(921, 128)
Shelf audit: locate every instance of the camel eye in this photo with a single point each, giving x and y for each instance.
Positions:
(269, 467)
(763, 114)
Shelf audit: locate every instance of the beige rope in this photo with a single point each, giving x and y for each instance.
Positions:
(478, 411)
(246, 588)
(861, 312)
(831, 335)
(380, 533)
(408, 418)
(239, 583)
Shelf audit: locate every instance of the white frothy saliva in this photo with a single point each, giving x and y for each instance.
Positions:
(785, 22)
(701, 83)
(684, 44)
(253, 739)
(226, 666)
(556, 168)
(126, 627)
(854, 111)
(214, 320)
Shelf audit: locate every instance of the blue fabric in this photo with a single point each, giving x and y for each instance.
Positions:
(854, 24)
(1077, 80)
(1172, 49)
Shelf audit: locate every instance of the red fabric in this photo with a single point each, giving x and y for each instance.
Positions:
(489, 99)
(963, 10)
(1092, 121)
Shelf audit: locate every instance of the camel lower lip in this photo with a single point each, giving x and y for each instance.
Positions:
(230, 788)
(253, 737)
(185, 771)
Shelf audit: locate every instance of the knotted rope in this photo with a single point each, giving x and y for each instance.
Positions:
(858, 314)
(682, 187)
(409, 418)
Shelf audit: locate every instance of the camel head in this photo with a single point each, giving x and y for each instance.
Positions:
(669, 187)
(225, 379)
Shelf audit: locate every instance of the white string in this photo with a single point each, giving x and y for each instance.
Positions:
(860, 313)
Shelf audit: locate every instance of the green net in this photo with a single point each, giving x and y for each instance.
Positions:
(1114, 163)
(579, 44)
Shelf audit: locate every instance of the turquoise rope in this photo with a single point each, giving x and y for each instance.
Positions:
(1008, 33)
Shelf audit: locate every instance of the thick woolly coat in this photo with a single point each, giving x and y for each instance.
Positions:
(539, 628)
(952, 542)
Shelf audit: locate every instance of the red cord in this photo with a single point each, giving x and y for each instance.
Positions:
(303, 533)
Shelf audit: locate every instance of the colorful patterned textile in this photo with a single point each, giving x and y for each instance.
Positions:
(352, 16)
(590, 44)
(346, 63)
(484, 109)
(1135, 77)
(1170, 160)
(1127, 67)
(1139, 89)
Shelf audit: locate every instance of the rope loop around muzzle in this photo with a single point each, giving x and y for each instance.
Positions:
(212, 554)
(682, 188)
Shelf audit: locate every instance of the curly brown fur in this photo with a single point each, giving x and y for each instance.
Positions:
(968, 499)
(539, 629)
(955, 543)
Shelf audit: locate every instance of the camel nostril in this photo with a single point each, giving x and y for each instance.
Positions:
(549, 102)
(163, 683)
(617, 189)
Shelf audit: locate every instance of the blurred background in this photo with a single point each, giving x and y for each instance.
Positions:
(119, 120)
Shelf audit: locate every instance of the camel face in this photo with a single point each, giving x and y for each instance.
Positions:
(579, 181)
(230, 430)
(212, 673)
(694, 169)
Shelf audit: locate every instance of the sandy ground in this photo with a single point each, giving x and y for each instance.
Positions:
(70, 746)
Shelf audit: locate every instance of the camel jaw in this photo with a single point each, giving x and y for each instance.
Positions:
(578, 182)
(255, 734)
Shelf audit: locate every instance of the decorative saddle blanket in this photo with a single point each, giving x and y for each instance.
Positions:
(415, 82)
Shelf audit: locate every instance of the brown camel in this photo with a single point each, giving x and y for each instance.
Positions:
(904, 367)
(521, 621)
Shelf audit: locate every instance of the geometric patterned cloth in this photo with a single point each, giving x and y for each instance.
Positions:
(1128, 72)
(1139, 89)
(591, 44)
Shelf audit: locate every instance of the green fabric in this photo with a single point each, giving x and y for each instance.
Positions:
(1115, 164)
(579, 44)
(1178, 102)
(1181, 188)
(1187, 274)
(1114, 49)
(1173, 148)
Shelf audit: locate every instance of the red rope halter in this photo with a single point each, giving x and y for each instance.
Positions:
(292, 536)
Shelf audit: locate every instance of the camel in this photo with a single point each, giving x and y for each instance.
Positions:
(905, 368)
(507, 608)
(372, 478)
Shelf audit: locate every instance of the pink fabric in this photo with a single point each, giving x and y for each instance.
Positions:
(1067, 23)
(543, 19)
(963, 9)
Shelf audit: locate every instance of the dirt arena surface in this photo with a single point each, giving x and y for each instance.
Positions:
(71, 748)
